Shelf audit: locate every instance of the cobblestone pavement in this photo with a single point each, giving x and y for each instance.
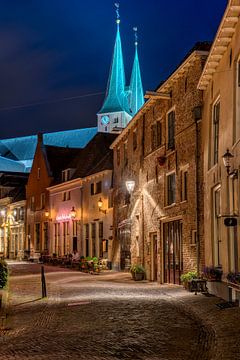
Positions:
(109, 316)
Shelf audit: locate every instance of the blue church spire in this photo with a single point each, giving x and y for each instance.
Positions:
(116, 97)
(136, 88)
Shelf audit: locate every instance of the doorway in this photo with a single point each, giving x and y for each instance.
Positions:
(153, 254)
(172, 242)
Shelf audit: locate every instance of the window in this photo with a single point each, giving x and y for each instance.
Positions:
(216, 224)
(98, 187)
(118, 156)
(156, 135)
(38, 173)
(92, 188)
(184, 183)
(115, 120)
(66, 195)
(93, 228)
(100, 236)
(45, 236)
(42, 201)
(86, 228)
(171, 189)
(216, 116)
(134, 139)
(56, 238)
(171, 130)
(37, 236)
(194, 238)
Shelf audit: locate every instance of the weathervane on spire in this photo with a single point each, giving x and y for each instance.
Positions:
(135, 29)
(117, 12)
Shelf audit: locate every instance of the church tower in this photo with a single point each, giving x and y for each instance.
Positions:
(136, 98)
(116, 111)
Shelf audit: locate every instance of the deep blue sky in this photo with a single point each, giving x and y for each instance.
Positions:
(55, 49)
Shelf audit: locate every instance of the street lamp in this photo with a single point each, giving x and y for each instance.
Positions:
(73, 213)
(100, 205)
(130, 185)
(227, 161)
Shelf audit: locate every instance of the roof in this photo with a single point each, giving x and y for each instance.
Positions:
(116, 94)
(7, 165)
(222, 39)
(136, 89)
(96, 156)
(59, 158)
(16, 182)
(23, 148)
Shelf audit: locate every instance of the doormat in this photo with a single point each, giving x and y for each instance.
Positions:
(226, 305)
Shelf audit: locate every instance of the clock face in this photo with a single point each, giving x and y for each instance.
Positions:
(105, 120)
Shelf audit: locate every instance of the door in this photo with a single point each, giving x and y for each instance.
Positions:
(153, 250)
(172, 240)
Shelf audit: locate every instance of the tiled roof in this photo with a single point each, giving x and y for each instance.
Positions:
(96, 156)
(60, 158)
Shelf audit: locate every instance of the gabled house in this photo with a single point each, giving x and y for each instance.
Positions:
(48, 163)
(81, 204)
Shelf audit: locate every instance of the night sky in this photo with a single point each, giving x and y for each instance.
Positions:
(51, 50)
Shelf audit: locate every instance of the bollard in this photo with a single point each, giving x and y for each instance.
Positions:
(44, 289)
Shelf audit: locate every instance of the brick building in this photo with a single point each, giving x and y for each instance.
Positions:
(160, 224)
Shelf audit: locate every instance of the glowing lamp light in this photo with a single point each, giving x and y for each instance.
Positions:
(73, 213)
(130, 185)
(100, 205)
(46, 213)
(3, 213)
(227, 160)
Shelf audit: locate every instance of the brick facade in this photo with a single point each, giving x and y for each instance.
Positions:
(143, 221)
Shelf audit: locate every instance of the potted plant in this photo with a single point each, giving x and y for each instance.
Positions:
(138, 272)
(212, 273)
(187, 278)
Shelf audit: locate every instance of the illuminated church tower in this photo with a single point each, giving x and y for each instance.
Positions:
(121, 102)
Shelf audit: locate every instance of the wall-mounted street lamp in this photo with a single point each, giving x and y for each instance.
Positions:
(227, 161)
(73, 213)
(100, 205)
(130, 185)
(47, 214)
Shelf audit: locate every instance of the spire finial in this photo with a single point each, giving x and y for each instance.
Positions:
(117, 12)
(135, 29)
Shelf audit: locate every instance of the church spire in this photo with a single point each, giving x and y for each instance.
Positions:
(115, 99)
(136, 88)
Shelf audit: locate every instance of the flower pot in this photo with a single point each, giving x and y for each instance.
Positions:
(139, 276)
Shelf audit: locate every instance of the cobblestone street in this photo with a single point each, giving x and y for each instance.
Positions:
(109, 316)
